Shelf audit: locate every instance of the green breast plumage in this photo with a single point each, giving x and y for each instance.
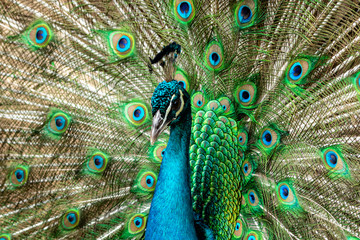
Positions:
(215, 160)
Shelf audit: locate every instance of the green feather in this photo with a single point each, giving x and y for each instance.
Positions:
(335, 162)
(287, 196)
(71, 219)
(145, 182)
(184, 11)
(96, 162)
(246, 13)
(134, 226)
(19, 176)
(136, 113)
(214, 56)
(37, 35)
(57, 124)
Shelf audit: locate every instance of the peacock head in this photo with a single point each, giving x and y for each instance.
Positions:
(169, 103)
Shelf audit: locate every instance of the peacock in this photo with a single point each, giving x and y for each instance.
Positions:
(180, 119)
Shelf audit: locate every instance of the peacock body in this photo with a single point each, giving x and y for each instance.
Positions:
(261, 99)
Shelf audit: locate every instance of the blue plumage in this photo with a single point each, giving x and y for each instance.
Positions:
(171, 215)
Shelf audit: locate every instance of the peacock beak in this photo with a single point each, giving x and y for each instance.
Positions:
(158, 126)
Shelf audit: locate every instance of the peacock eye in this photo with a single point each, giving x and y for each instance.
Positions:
(40, 35)
(246, 168)
(214, 105)
(59, 123)
(269, 138)
(214, 56)
(148, 181)
(238, 229)
(298, 70)
(242, 138)
(19, 175)
(225, 104)
(97, 162)
(253, 198)
(71, 219)
(245, 13)
(184, 11)
(252, 236)
(245, 94)
(285, 193)
(136, 113)
(198, 100)
(334, 160)
(331, 159)
(137, 223)
(122, 43)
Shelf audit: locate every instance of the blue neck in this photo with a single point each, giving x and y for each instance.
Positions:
(171, 214)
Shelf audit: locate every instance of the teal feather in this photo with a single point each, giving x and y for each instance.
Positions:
(263, 133)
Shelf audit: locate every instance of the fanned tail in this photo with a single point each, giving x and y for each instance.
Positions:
(301, 169)
(274, 90)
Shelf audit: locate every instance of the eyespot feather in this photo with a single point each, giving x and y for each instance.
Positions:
(71, 219)
(19, 176)
(184, 11)
(214, 56)
(246, 13)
